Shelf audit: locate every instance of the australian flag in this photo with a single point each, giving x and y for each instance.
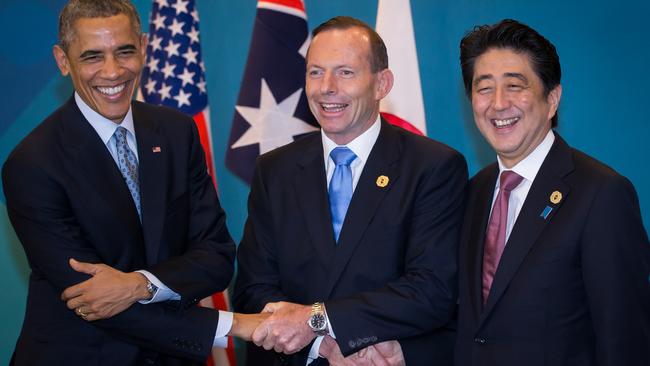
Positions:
(272, 107)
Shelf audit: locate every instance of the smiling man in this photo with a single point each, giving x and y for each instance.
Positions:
(106, 186)
(352, 231)
(554, 259)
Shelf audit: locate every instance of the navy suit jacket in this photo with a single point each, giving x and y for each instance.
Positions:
(571, 288)
(67, 199)
(393, 273)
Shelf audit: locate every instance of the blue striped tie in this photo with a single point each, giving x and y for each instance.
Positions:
(340, 190)
(128, 165)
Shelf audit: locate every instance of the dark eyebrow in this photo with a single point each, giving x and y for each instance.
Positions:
(516, 75)
(128, 47)
(90, 53)
(481, 78)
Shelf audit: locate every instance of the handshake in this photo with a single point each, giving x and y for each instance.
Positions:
(282, 327)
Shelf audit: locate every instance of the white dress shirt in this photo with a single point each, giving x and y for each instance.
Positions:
(527, 168)
(361, 147)
(105, 128)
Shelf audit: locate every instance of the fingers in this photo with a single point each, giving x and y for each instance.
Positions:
(73, 291)
(83, 267)
(272, 307)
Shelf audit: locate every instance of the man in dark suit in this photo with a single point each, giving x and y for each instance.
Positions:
(359, 219)
(107, 180)
(554, 259)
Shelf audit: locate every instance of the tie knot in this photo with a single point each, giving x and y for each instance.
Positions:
(120, 135)
(342, 156)
(510, 180)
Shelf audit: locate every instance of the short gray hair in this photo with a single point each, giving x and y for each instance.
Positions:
(77, 9)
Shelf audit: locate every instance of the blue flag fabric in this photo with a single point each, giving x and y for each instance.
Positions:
(272, 108)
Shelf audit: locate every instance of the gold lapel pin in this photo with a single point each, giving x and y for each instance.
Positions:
(382, 181)
(556, 197)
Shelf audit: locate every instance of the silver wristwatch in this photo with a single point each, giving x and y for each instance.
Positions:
(318, 320)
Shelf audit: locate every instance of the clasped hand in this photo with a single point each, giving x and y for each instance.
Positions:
(107, 293)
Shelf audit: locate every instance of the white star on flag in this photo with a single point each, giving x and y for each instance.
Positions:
(186, 77)
(172, 48)
(194, 35)
(155, 43)
(183, 98)
(159, 21)
(272, 124)
(180, 6)
(168, 70)
(176, 27)
(190, 56)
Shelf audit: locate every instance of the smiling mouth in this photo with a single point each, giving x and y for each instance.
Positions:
(503, 123)
(111, 90)
(333, 107)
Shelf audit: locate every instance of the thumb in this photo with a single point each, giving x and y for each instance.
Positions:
(271, 307)
(88, 268)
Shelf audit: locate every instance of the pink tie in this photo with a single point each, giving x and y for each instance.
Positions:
(495, 238)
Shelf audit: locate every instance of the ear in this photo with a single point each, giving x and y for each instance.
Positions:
(61, 60)
(144, 40)
(553, 100)
(385, 84)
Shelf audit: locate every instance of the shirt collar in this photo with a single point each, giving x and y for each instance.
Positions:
(360, 146)
(529, 166)
(105, 127)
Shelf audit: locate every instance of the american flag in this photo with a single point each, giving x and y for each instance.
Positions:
(174, 76)
(272, 107)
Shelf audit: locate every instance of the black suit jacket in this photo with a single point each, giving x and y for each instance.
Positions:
(67, 199)
(392, 274)
(571, 288)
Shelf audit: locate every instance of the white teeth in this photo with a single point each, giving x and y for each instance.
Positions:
(111, 90)
(333, 107)
(505, 122)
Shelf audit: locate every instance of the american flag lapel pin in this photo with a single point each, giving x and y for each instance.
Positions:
(155, 149)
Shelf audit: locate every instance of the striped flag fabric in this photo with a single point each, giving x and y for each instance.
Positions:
(174, 76)
(404, 105)
(272, 107)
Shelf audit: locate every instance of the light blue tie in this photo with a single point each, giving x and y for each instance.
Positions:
(128, 165)
(340, 191)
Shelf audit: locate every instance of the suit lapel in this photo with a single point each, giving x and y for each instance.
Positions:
(532, 219)
(96, 166)
(310, 187)
(366, 199)
(480, 207)
(152, 168)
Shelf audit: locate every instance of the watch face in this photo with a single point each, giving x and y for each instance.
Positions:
(317, 322)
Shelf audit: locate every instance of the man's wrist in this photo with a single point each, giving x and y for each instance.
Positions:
(145, 289)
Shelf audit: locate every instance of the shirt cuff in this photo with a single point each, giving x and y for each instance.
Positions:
(313, 351)
(223, 327)
(162, 293)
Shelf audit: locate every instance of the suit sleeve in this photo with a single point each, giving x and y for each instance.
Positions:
(208, 264)
(616, 266)
(47, 227)
(424, 297)
(258, 280)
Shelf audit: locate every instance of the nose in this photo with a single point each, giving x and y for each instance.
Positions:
(328, 84)
(501, 99)
(111, 69)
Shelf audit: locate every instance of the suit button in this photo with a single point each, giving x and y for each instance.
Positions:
(480, 340)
